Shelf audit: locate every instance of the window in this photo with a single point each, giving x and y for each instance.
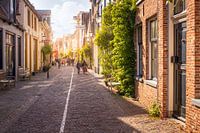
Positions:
(35, 24)
(139, 41)
(154, 49)
(1, 49)
(179, 6)
(29, 18)
(19, 52)
(32, 22)
(10, 54)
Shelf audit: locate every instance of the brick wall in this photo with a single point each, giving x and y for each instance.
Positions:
(163, 56)
(193, 65)
(147, 94)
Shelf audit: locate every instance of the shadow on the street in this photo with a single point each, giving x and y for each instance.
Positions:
(93, 108)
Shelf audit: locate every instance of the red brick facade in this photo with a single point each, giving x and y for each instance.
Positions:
(147, 94)
(193, 65)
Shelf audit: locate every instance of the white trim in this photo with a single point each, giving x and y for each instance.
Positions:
(152, 83)
(196, 102)
(62, 127)
(138, 2)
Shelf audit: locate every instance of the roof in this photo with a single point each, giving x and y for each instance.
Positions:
(28, 3)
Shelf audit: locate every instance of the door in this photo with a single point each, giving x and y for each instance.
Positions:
(35, 52)
(10, 55)
(180, 70)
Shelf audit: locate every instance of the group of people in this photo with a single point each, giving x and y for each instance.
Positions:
(64, 62)
(82, 66)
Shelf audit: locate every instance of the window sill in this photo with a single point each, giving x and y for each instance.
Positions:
(138, 2)
(196, 102)
(151, 83)
(180, 15)
(138, 78)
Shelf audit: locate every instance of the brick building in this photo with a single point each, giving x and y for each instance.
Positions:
(168, 60)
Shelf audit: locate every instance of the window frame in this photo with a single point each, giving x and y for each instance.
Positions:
(177, 9)
(139, 50)
(153, 48)
(19, 41)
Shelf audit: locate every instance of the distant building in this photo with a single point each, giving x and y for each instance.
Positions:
(45, 15)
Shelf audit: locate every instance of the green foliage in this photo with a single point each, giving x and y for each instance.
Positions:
(70, 53)
(154, 110)
(104, 39)
(124, 56)
(47, 49)
(86, 53)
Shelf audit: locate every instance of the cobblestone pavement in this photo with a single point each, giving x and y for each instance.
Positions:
(37, 106)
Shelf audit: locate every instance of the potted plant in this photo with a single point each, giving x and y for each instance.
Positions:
(47, 51)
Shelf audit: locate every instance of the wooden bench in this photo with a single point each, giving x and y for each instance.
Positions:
(6, 82)
(111, 83)
(23, 74)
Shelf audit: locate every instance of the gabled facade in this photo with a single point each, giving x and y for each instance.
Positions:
(168, 72)
(30, 20)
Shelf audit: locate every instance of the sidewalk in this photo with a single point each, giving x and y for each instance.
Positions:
(144, 122)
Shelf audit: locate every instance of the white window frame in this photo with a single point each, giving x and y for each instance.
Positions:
(150, 49)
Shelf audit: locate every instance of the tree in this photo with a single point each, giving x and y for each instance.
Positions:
(70, 53)
(87, 53)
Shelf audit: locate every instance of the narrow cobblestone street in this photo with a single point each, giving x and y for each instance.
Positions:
(37, 106)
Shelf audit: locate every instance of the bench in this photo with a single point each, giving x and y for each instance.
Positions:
(111, 83)
(6, 82)
(23, 74)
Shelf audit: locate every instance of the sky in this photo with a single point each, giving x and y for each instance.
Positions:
(62, 13)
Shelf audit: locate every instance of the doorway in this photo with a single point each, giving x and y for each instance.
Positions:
(180, 70)
(10, 54)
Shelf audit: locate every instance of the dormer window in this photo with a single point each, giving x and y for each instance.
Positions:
(179, 6)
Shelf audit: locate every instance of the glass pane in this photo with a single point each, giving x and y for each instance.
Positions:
(183, 93)
(179, 6)
(153, 30)
(140, 34)
(154, 64)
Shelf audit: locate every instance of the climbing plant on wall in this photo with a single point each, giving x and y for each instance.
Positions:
(103, 41)
(124, 56)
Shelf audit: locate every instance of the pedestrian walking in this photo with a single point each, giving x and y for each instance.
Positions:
(84, 67)
(78, 66)
(59, 63)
